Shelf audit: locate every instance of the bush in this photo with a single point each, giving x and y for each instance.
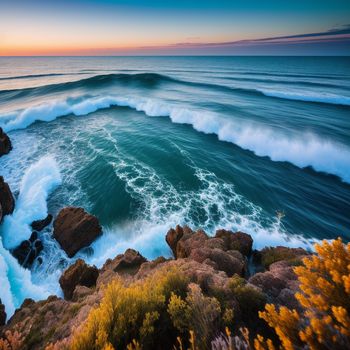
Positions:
(197, 313)
(129, 314)
(271, 255)
(324, 322)
(250, 299)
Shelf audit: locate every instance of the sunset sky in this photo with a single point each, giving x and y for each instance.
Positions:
(178, 27)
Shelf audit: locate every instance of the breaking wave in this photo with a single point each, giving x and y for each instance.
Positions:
(302, 150)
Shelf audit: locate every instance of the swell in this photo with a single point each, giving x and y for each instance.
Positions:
(32, 76)
(302, 150)
(145, 79)
(152, 80)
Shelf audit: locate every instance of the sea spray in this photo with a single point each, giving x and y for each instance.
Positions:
(40, 179)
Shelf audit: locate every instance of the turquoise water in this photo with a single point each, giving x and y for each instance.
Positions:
(148, 143)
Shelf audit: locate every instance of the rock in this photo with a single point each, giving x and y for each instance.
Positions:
(5, 143)
(74, 229)
(268, 283)
(189, 242)
(131, 260)
(216, 252)
(28, 250)
(39, 225)
(220, 260)
(279, 283)
(2, 314)
(127, 265)
(173, 237)
(7, 202)
(77, 274)
(236, 241)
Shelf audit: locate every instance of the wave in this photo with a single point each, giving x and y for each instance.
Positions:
(152, 80)
(29, 76)
(40, 179)
(16, 283)
(308, 97)
(144, 79)
(302, 150)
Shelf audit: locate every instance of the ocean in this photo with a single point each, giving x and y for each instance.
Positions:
(256, 144)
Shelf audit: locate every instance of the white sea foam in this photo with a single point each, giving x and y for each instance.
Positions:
(16, 284)
(308, 96)
(39, 180)
(303, 149)
(215, 204)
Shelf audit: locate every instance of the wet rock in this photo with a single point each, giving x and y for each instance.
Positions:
(236, 241)
(5, 143)
(74, 229)
(2, 314)
(39, 225)
(28, 250)
(77, 274)
(7, 202)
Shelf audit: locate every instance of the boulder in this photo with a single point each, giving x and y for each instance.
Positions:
(28, 250)
(217, 252)
(189, 242)
(7, 202)
(39, 225)
(279, 283)
(236, 241)
(173, 236)
(2, 314)
(74, 229)
(77, 274)
(5, 143)
(268, 283)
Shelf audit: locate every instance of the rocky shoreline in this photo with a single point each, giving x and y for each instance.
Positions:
(212, 263)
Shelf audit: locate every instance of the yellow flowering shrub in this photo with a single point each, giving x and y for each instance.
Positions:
(127, 315)
(197, 313)
(324, 322)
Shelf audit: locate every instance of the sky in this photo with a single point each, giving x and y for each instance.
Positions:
(177, 27)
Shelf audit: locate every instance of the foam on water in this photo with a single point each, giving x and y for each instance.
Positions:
(214, 205)
(302, 149)
(308, 96)
(16, 283)
(40, 179)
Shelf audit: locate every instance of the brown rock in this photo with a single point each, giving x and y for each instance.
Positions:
(74, 229)
(268, 283)
(7, 202)
(2, 314)
(77, 274)
(220, 260)
(173, 237)
(236, 241)
(127, 264)
(5, 143)
(39, 225)
(189, 242)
